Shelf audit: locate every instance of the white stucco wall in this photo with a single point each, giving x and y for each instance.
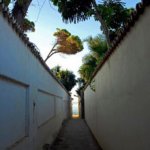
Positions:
(118, 112)
(32, 103)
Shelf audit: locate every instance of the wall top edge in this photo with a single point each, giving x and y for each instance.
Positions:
(139, 10)
(4, 11)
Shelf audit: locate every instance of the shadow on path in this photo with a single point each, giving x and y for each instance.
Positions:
(75, 135)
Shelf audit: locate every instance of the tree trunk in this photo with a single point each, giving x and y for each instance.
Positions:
(20, 10)
(52, 51)
(103, 24)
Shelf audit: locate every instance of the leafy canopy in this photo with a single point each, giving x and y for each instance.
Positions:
(26, 25)
(66, 77)
(97, 47)
(73, 10)
(113, 13)
(65, 43)
(88, 67)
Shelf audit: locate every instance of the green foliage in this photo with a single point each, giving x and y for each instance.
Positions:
(66, 77)
(98, 48)
(60, 32)
(7, 2)
(20, 2)
(73, 10)
(77, 41)
(81, 84)
(92, 85)
(113, 13)
(65, 43)
(28, 25)
(56, 70)
(88, 67)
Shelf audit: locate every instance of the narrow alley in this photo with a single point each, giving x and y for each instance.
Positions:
(75, 135)
(101, 73)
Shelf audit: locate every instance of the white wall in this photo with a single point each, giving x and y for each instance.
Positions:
(32, 103)
(118, 112)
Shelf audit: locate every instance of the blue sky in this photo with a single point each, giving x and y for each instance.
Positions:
(46, 23)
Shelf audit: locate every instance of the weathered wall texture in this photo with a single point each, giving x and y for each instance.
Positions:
(32, 103)
(118, 112)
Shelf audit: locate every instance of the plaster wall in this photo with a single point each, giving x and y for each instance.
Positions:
(118, 112)
(32, 103)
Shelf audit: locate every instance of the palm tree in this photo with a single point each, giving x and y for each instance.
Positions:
(97, 47)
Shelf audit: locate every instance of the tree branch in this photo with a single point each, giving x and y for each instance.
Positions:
(52, 50)
(104, 26)
(51, 55)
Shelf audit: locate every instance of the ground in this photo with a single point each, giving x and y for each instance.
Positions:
(75, 135)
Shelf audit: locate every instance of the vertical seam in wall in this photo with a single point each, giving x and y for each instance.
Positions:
(27, 116)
